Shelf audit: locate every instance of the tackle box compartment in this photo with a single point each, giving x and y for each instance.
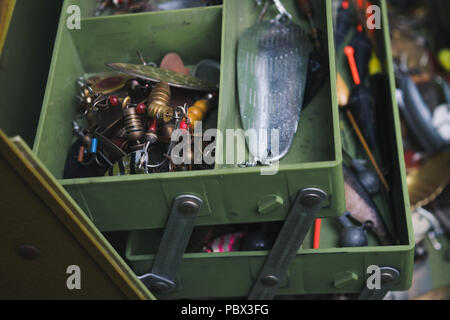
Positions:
(140, 204)
(144, 201)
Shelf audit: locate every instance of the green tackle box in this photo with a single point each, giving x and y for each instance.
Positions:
(139, 205)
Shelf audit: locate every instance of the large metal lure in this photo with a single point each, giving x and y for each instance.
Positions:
(272, 63)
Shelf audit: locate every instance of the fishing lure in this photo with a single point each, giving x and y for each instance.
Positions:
(272, 64)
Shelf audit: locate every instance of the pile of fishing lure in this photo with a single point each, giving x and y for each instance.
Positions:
(132, 125)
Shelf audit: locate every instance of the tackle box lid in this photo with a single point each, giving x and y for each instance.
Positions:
(44, 233)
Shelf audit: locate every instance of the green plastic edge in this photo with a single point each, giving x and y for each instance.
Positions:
(59, 34)
(398, 142)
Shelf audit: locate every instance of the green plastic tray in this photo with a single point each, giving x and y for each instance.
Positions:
(143, 201)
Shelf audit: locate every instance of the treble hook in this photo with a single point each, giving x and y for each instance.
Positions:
(98, 100)
(183, 110)
(178, 118)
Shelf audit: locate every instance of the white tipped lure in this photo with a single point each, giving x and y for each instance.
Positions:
(272, 63)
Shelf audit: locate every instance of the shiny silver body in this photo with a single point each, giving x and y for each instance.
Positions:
(272, 62)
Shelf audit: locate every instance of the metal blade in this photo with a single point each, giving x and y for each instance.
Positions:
(174, 79)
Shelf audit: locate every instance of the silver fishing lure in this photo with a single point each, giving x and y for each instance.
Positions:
(272, 63)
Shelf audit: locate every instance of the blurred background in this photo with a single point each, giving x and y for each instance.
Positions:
(420, 37)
